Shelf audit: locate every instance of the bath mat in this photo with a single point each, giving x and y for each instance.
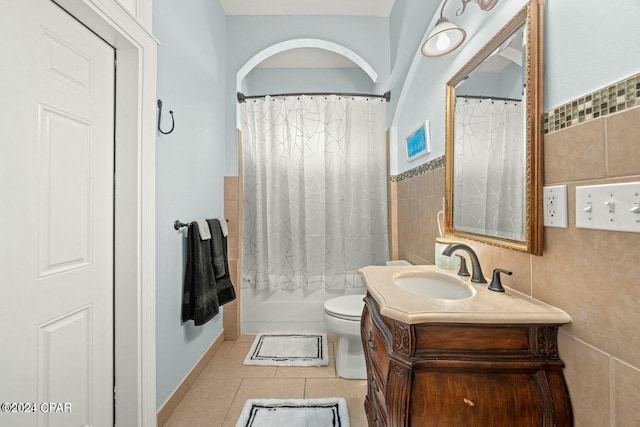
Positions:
(288, 349)
(331, 412)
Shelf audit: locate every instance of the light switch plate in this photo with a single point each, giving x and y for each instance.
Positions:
(555, 206)
(613, 207)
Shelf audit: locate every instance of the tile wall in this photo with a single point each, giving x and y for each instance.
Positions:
(593, 275)
(232, 208)
(417, 202)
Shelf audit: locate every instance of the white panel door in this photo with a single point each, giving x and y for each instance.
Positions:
(56, 213)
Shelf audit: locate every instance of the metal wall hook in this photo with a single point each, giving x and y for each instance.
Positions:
(173, 122)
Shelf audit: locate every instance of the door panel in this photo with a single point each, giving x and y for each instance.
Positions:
(65, 373)
(66, 63)
(65, 193)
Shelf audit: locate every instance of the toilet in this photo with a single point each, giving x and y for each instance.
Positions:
(342, 318)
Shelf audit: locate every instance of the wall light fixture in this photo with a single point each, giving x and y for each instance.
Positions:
(446, 36)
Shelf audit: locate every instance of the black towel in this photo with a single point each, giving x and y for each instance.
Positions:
(218, 248)
(199, 294)
(226, 293)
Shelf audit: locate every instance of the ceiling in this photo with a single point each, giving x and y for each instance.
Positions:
(308, 7)
(308, 58)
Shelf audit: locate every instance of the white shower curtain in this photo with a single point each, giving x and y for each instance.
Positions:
(315, 192)
(489, 167)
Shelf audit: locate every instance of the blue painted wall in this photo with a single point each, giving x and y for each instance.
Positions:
(507, 84)
(262, 81)
(408, 22)
(588, 45)
(190, 169)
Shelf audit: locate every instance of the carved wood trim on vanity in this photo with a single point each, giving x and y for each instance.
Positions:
(545, 393)
(401, 338)
(462, 374)
(546, 338)
(397, 391)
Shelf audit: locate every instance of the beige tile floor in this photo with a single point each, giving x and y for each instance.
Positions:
(218, 395)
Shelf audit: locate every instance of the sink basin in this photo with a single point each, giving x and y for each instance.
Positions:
(435, 285)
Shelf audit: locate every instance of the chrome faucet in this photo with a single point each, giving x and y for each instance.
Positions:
(476, 275)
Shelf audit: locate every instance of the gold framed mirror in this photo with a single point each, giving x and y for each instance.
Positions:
(494, 139)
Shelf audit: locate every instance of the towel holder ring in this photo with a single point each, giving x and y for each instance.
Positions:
(178, 225)
(173, 120)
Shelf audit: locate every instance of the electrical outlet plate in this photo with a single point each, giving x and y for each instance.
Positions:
(555, 206)
(613, 207)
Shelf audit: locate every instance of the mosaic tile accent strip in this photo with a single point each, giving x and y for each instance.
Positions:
(419, 170)
(611, 99)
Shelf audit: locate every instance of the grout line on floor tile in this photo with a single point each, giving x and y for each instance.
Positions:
(235, 395)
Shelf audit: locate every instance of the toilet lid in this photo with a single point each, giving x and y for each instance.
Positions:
(346, 307)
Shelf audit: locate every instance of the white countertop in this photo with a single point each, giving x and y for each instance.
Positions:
(485, 306)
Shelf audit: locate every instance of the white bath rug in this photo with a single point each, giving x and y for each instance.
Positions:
(331, 412)
(288, 349)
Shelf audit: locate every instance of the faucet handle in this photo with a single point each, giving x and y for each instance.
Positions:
(496, 284)
(462, 271)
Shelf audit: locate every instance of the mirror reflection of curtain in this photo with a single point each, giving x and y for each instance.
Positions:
(315, 191)
(489, 167)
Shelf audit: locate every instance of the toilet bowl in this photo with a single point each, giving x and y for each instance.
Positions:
(342, 318)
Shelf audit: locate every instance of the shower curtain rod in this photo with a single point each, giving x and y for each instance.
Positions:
(493, 98)
(242, 97)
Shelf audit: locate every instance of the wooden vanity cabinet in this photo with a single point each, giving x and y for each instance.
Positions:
(452, 375)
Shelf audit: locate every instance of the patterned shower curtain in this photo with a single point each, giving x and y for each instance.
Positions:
(489, 167)
(315, 191)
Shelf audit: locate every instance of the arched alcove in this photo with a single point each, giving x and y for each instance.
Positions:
(280, 47)
(304, 43)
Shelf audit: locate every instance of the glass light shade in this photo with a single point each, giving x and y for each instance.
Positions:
(444, 38)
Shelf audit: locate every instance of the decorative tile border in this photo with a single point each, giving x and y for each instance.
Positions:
(419, 170)
(611, 99)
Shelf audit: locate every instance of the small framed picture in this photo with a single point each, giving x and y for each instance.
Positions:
(419, 142)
